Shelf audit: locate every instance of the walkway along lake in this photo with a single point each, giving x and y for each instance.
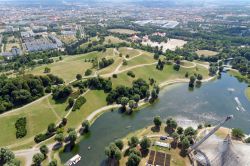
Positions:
(209, 103)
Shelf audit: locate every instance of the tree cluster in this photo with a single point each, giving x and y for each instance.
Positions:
(79, 102)
(18, 91)
(105, 62)
(61, 92)
(21, 127)
(139, 87)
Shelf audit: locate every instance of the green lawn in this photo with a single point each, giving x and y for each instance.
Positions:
(114, 40)
(39, 116)
(95, 100)
(129, 51)
(68, 68)
(112, 67)
(145, 58)
(147, 72)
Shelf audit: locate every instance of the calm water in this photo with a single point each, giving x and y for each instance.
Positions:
(210, 103)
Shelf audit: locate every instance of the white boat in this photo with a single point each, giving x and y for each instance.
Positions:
(240, 107)
(237, 108)
(74, 160)
(231, 89)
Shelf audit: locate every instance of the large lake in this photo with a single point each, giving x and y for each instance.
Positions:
(210, 103)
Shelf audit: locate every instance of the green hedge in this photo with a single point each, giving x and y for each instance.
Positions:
(21, 127)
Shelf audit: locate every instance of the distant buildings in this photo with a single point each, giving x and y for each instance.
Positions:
(161, 23)
(31, 44)
(68, 33)
(55, 40)
(14, 52)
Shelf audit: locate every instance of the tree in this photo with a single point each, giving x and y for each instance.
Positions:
(119, 144)
(134, 151)
(124, 101)
(157, 121)
(38, 158)
(72, 136)
(133, 160)
(189, 131)
(133, 142)
(171, 123)
(199, 77)
(156, 56)
(237, 133)
(145, 143)
(51, 128)
(6, 156)
(136, 98)
(175, 137)
(88, 72)
(176, 67)
(78, 76)
(192, 81)
(44, 150)
(180, 130)
(86, 126)
(185, 143)
(53, 163)
(154, 95)
(59, 137)
(131, 104)
(47, 70)
(71, 102)
(113, 152)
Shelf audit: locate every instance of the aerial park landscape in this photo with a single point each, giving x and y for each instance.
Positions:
(125, 94)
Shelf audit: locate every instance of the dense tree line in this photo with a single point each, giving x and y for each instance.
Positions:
(15, 92)
(21, 127)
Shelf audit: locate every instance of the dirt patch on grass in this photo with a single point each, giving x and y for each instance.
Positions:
(172, 44)
(123, 31)
(206, 53)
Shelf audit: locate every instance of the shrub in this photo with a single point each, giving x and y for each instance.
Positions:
(21, 127)
(42, 137)
(131, 74)
(88, 72)
(176, 67)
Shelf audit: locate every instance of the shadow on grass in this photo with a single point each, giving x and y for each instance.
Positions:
(144, 153)
(155, 129)
(169, 130)
(60, 101)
